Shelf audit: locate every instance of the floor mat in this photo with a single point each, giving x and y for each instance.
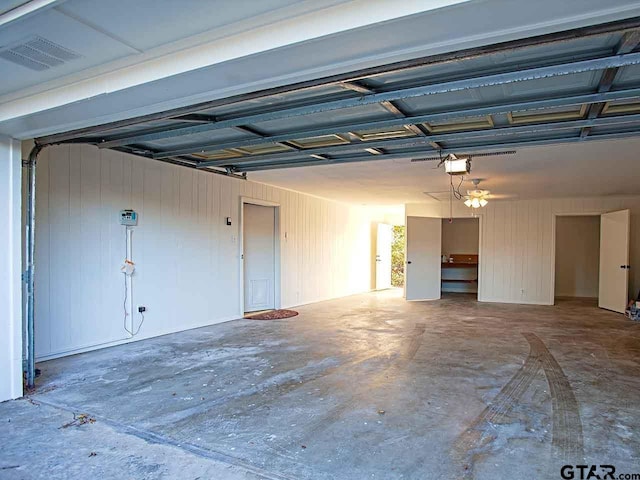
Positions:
(272, 315)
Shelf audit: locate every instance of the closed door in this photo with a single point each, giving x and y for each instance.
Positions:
(614, 261)
(383, 257)
(259, 257)
(424, 239)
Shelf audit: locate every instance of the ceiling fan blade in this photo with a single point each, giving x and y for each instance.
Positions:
(502, 196)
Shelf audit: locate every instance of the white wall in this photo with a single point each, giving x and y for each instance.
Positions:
(577, 256)
(460, 236)
(517, 247)
(10, 269)
(187, 258)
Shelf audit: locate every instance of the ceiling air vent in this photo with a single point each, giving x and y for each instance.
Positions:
(37, 53)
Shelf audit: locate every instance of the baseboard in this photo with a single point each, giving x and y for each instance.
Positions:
(114, 343)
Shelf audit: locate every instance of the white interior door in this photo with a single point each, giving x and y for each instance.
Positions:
(614, 260)
(383, 256)
(259, 257)
(424, 239)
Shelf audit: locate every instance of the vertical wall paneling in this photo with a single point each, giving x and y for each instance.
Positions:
(187, 258)
(517, 263)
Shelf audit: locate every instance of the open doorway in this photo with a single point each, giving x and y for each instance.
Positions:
(577, 259)
(398, 256)
(460, 253)
(390, 256)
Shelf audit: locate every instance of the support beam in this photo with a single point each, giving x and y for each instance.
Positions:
(426, 140)
(629, 42)
(433, 117)
(444, 87)
(194, 118)
(393, 109)
(465, 148)
(11, 252)
(256, 133)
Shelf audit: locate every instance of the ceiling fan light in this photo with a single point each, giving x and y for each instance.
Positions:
(467, 202)
(475, 203)
(483, 202)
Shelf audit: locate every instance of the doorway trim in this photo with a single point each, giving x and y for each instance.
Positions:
(480, 217)
(277, 247)
(552, 283)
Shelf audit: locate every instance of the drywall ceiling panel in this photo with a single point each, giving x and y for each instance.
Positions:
(146, 24)
(92, 46)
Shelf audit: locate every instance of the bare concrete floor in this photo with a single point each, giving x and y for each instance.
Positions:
(368, 386)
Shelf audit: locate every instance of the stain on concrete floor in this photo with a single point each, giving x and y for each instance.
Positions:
(468, 390)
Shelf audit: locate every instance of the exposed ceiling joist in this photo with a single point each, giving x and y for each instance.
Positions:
(543, 93)
(444, 87)
(628, 44)
(570, 100)
(407, 156)
(495, 133)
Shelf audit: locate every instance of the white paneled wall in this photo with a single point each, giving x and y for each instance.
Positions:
(517, 243)
(187, 259)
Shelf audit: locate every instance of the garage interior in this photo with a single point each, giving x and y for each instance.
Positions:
(160, 196)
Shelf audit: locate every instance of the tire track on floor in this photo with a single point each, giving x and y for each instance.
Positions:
(471, 442)
(567, 440)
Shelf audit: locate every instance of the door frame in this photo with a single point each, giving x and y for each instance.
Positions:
(277, 247)
(552, 283)
(376, 256)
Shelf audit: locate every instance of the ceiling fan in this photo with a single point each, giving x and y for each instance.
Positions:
(475, 192)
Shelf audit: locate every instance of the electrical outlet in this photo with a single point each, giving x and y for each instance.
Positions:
(142, 309)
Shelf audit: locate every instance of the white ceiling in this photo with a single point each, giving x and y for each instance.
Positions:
(149, 55)
(103, 32)
(596, 168)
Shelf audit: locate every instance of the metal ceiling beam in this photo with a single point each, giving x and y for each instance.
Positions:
(628, 43)
(444, 87)
(422, 141)
(467, 54)
(466, 148)
(195, 118)
(477, 111)
(256, 133)
(392, 108)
